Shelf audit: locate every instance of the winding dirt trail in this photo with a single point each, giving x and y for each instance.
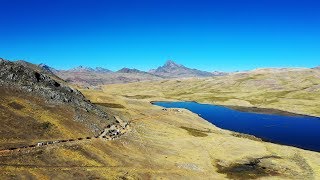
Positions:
(111, 132)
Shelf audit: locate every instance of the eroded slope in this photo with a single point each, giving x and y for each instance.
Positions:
(37, 107)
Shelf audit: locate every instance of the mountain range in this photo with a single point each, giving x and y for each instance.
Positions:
(86, 76)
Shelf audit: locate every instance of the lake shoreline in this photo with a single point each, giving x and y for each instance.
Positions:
(257, 110)
(254, 110)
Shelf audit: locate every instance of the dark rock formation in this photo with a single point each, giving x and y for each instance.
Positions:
(22, 75)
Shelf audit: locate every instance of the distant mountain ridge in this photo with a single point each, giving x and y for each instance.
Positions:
(48, 68)
(102, 70)
(89, 69)
(128, 70)
(87, 76)
(318, 67)
(173, 70)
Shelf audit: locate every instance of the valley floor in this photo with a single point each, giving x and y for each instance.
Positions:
(193, 148)
(168, 144)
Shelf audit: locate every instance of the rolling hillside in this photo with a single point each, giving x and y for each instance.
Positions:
(38, 106)
(294, 90)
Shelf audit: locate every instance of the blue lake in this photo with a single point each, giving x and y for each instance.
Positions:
(298, 131)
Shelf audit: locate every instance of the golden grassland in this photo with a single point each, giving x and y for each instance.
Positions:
(195, 149)
(162, 144)
(294, 90)
(174, 144)
(26, 120)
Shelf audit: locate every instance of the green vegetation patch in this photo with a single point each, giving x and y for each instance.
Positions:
(110, 105)
(249, 170)
(16, 105)
(246, 136)
(195, 132)
(46, 125)
(246, 79)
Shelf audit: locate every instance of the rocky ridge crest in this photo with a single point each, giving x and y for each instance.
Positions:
(22, 76)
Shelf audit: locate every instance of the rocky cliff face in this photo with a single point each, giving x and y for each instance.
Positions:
(31, 79)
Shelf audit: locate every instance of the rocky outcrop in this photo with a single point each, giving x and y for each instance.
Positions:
(28, 78)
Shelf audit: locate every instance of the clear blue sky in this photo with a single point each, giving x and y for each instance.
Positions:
(225, 35)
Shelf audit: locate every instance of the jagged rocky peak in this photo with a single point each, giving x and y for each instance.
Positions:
(173, 70)
(172, 64)
(169, 66)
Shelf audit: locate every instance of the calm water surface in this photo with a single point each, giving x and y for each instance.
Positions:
(298, 131)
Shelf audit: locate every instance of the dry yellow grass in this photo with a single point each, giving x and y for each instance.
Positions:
(295, 90)
(160, 147)
(27, 120)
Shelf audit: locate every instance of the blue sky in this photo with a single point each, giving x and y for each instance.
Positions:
(225, 35)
